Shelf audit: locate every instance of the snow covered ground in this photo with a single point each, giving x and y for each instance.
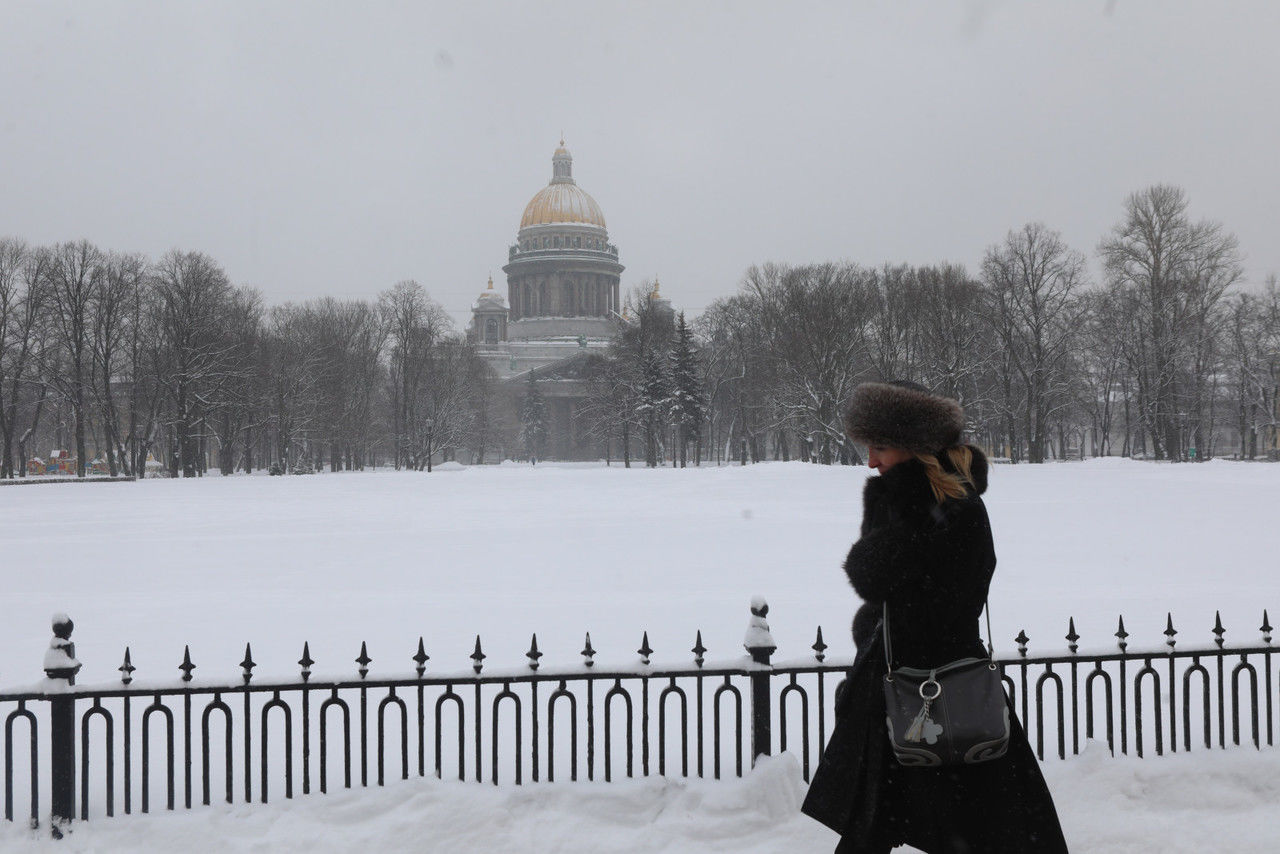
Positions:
(1212, 803)
(504, 552)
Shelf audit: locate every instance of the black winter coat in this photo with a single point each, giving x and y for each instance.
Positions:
(931, 563)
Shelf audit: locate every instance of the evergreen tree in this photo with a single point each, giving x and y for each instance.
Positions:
(533, 420)
(654, 403)
(687, 410)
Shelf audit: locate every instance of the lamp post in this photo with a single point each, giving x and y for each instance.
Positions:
(430, 425)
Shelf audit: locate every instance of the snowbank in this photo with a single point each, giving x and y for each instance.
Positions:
(1221, 802)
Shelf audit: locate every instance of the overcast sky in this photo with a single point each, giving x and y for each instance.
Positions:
(333, 149)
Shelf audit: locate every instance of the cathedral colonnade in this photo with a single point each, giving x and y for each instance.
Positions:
(564, 295)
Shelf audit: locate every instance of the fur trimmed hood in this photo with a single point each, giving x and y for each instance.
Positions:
(903, 415)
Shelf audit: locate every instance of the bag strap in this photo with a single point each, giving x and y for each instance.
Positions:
(888, 645)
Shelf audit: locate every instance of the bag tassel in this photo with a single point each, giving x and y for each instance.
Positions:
(915, 732)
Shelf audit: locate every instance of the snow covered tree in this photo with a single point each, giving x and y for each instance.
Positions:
(533, 420)
(687, 411)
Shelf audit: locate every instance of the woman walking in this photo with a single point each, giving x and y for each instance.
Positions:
(923, 561)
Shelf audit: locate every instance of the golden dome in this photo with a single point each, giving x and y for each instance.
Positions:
(562, 200)
(562, 203)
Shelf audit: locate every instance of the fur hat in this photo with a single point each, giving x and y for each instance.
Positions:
(903, 415)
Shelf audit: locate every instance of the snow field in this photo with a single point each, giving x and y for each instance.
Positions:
(505, 552)
(509, 551)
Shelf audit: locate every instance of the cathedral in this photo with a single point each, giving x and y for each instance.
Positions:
(562, 305)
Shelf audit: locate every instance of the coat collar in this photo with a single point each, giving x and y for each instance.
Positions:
(906, 485)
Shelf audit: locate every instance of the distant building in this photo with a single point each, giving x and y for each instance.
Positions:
(561, 308)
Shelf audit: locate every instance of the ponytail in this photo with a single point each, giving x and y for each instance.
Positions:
(949, 484)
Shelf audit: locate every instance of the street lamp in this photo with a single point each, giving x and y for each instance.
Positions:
(430, 424)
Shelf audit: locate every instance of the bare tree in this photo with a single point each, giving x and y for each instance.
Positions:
(195, 355)
(1172, 273)
(1032, 281)
(414, 323)
(74, 274)
(23, 295)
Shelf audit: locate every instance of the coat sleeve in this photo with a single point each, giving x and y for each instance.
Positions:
(904, 553)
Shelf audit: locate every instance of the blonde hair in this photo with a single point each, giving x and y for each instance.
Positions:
(947, 484)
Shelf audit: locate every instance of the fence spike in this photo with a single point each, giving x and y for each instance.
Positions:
(698, 650)
(306, 661)
(420, 658)
(1218, 630)
(186, 666)
(1022, 642)
(819, 648)
(126, 669)
(364, 660)
(1121, 634)
(248, 664)
(533, 654)
(1265, 628)
(644, 650)
(1072, 637)
(588, 652)
(478, 657)
(1169, 631)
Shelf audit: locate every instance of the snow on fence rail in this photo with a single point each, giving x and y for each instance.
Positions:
(246, 739)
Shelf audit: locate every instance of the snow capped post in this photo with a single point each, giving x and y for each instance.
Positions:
(60, 665)
(60, 659)
(759, 643)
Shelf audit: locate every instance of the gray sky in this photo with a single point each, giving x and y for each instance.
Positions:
(325, 148)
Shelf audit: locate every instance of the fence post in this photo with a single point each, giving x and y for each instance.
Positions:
(759, 642)
(60, 665)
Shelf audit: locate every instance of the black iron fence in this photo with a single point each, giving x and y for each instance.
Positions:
(139, 746)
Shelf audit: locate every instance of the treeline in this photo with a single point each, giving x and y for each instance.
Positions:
(1162, 359)
(139, 359)
(1166, 357)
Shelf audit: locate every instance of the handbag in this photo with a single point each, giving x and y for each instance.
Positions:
(953, 714)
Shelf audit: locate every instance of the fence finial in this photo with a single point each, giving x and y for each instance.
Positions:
(420, 658)
(698, 650)
(1218, 630)
(186, 666)
(1072, 637)
(819, 648)
(364, 660)
(1169, 631)
(644, 649)
(248, 664)
(126, 669)
(1265, 628)
(306, 661)
(478, 657)
(533, 655)
(588, 653)
(60, 658)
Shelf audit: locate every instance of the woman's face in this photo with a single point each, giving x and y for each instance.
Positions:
(883, 458)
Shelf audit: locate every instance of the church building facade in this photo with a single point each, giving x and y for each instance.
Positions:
(562, 305)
